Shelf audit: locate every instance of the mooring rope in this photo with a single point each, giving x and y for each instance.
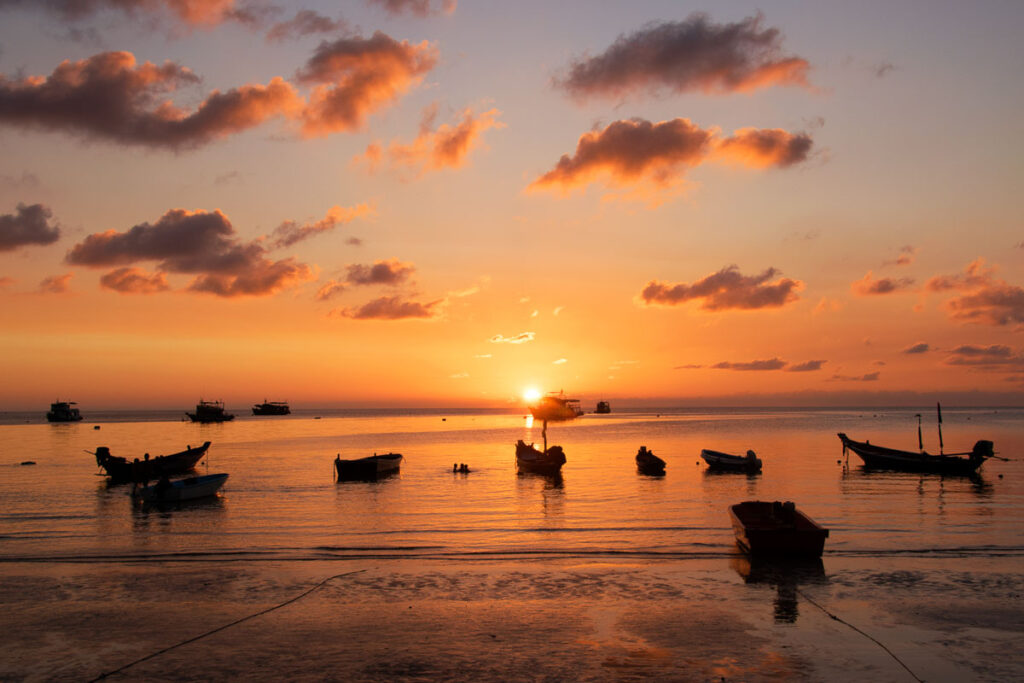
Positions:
(225, 626)
(866, 635)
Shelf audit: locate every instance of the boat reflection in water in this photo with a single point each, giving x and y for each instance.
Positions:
(786, 575)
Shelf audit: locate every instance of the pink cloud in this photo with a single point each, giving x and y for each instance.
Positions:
(726, 289)
(393, 308)
(56, 284)
(290, 232)
(868, 286)
(130, 280)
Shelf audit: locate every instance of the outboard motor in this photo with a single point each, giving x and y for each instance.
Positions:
(102, 455)
(982, 450)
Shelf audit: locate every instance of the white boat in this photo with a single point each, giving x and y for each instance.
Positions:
(726, 462)
(166, 491)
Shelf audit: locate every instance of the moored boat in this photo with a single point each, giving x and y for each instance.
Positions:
(881, 458)
(148, 469)
(725, 462)
(774, 528)
(210, 411)
(603, 408)
(63, 411)
(271, 408)
(529, 458)
(556, 408)
(166, 491)
(371, 467)
(648, 463)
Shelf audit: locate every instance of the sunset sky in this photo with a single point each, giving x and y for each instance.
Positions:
(430, 202)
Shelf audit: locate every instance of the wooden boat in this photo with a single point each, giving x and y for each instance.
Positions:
(603, 408)
(529, 458)
(556, 408)
(648, 463)
(724, 462)
(210, 411)
(764, 528)
(63, 411)
(881, 458)
(166, 491)
(371, 467)
(271, 408)
(121, 470)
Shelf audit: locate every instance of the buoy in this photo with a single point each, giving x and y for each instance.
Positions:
(96, 427)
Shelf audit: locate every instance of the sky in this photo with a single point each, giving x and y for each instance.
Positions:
(431, 202)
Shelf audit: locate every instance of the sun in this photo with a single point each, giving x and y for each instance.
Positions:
(531, 394)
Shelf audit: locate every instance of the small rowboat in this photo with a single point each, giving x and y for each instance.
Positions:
(724, 462)
(368, 468)
(776, 528)
(648, 463)
(120, 470)
(881, 458)
(165, 491)
(529, 458)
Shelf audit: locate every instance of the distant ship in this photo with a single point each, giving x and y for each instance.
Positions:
(556, 408)
(603, 407)
(210, 411)
(271, 408)
(63, 411)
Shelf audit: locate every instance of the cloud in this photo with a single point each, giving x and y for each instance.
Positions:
(806, 366)
(686, 56)
(882, 69)
(393, 308)
(30, 225)
(975, 276)
(726, 289)
(995, 357)
(770, 364)
(918, 348)
(558, 309)
(640, 154)
(419, 8)
(985, 299)
(290, 232)
(391, 272)
(190, 12)
(826, 305)
(110, 97)
(483, 355)
(354, 76)
(130, 280)
(26, 181)
(195, 242)
(433, 149)
(520, 338)
(305, 23)
(867, 286)
(904, 258)
(869, 377)
(459, 375)
(56, 284)
(330, 289)
(691, 366)
(560, 361)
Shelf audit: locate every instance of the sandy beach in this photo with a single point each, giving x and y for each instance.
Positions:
(519, 620)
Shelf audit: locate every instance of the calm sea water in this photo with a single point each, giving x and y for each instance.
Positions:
(281, 500)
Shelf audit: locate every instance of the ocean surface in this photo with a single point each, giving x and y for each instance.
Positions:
(281, 501)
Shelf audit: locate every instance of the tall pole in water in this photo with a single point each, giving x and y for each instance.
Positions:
(938, 408)
(544, 432)
(920, 443)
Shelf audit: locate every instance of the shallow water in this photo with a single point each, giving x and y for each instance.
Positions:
(281, 501)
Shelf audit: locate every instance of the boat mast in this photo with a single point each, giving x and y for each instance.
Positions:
(544, 433)
(920, 443)
(938, 408)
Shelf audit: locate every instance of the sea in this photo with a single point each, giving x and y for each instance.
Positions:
(282, 502)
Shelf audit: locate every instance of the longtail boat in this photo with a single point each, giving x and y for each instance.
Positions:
(122, 470)
(882, 458)
(368, 468)
(648, 463)
(774, 528)
(726, 462)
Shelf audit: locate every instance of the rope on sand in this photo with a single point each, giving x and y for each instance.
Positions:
(869, 637)
(225, 626)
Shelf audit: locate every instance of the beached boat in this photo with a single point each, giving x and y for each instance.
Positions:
(271, 408)
(725, 462)
(166, 491)
(529, 458)
(210, 411)
(556, 408)
(148, 469)
(648, 463)
(764, 528)
(603, 408)
(371, 467)
(63, 411)
(881, 458)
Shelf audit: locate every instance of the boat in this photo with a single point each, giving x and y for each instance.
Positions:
(603, 408)
(210, 411)
(556, 408)
(271, 408)
(371, 467)
(648, 463)
(881, 458)
(63, 411)
(777, 529)
(529, 458)
(120, 470)
(166, 491)
(725, 462)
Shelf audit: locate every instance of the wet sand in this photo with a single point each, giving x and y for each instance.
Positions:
(535, 619)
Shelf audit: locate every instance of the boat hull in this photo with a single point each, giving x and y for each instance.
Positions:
(881, 458)
(724, 462)
(121, 470)
(649, 463)
(368, 468)
(192, 488)
(533, 460)
(776, 530)
(271, 409)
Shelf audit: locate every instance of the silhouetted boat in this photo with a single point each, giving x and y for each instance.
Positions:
(724, 462)
(210, 411)
(881, 458)
(63, 411)
(271, 408)
(648, 463)
(148, 469)
(776, 528)
(371, 467)
(529, 458)
(165, 491)
(603, 408)
(556, 408)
